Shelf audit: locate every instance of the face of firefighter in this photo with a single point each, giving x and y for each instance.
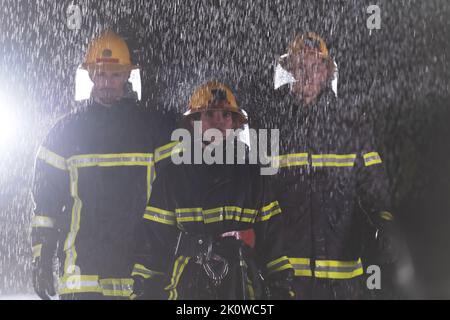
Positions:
(108, 86)
(312, 73)
(221, 120)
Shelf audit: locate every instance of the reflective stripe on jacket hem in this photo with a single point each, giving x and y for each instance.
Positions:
(109, 287)
(328, 269)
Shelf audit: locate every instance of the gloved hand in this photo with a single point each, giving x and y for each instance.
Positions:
(280, 285)
(390, 243)
(149, 289)
(392, 251)
(387, 247)
(43, 278)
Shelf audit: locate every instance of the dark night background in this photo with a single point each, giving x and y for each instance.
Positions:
(399, 72)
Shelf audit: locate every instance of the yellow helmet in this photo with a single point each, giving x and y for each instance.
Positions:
(108, 52)
(309, 41)
(214, 95)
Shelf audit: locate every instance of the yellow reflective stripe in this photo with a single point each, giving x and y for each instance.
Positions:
(302, 272)
(337, 263)
(117, 287)
(216, 214)
(302, 267)
(251, 291)
(189, 214)
(334, 269)
(213, 210)
(90, 160)
(42, 222)
(339, 275)
(331, 269)
(178, 269)
(270, 206)
(333, 160)
(290, 160)
(52, 158)
(92, 284)
(165, 151)
(69, 244)
(37, 249)
(274, 262)
(159, 215)
(141, 270)
(79, 284)
(151, 175)
(301, 261)
(268, 212)
(160, 211)
(386, 216)
(190, 219)
(317, 160)
(347, 157)
(240, 214)
(111, 160)
(372, 158)
(230, 213)
(279, 264)
(188, 210)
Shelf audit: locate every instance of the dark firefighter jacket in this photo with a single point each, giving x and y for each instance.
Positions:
(207, 201)
(93, 178)
(331, 185)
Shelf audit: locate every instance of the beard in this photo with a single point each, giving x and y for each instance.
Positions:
(108, 96)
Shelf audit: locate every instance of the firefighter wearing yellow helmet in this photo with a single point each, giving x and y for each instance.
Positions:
(307, 67)
(331, 182)
(108, 52)
(109, 65)
(93, 177)
(192, 246)
(213, 96)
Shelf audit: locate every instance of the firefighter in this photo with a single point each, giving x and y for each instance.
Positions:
(93, 176)
(190, 247)
(331, 183)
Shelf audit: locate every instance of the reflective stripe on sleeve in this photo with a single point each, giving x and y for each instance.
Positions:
(268, 212)
(290, 160)
(141, 270)
(117, 287)
(338, 269)
(302, 267)
(165, 151)
(42, 222)
(333, 160)
(279, 264)
(52, 158)
(79, 284)
(37, 249)
(178, 269)
(386, 216)
(371, 159)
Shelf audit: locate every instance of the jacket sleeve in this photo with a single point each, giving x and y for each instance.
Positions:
(50, 192)
(372, 183)
(157, 234)
(269, 245)
(162, 128)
